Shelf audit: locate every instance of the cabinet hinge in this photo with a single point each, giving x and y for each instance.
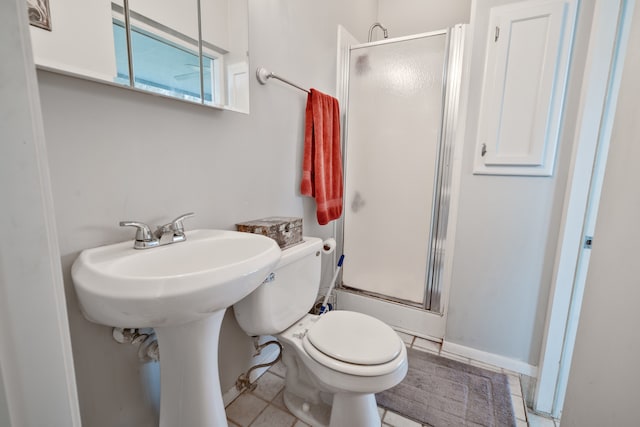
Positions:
(497, 34)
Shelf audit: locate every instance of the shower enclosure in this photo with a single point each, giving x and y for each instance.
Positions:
(400, 107)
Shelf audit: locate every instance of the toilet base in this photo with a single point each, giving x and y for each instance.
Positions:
(354, 409)
(348, 410)
(314, 414)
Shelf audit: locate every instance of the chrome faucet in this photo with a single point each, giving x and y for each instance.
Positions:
(172, 232)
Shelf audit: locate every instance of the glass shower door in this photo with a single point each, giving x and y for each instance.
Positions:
(395, 107)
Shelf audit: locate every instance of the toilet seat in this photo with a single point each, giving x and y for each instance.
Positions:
(354, 343)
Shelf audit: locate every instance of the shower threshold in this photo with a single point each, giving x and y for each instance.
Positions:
(386, 298)
(409, 318)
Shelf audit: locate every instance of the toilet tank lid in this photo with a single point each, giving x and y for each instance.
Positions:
(354, 337)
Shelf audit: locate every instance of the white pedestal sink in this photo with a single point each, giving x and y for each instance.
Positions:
(182, 291)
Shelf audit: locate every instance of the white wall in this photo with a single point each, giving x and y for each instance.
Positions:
(604, 375)
(115, 154)
(507, 227)
(406, 17)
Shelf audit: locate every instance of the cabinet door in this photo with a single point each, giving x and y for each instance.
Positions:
(528, 51)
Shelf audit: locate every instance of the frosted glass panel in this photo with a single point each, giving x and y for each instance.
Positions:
(393, 131)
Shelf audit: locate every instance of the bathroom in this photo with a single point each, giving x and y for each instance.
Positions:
(115, 154)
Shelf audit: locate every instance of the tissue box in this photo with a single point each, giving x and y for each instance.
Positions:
(286, 231)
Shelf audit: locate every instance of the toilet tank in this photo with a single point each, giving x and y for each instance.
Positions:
(287, 295)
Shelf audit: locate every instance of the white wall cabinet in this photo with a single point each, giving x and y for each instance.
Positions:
(527, 61)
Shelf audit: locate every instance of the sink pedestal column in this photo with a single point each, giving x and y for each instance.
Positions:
(190, 394)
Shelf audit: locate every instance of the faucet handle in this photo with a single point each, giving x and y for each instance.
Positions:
(143, 232)
(178, 226)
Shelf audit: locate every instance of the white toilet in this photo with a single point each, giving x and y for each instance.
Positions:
(336, 361)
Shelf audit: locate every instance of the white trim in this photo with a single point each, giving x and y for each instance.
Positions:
(513, 365)
(401, 39)
(233, 70)
(230, 395)
(343, 52)
(599, 91)
(35, 351)
(458, 138)
(599, 166)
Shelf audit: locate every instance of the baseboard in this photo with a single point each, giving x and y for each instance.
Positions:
(230, 395)
(490, 358)
(267, 355)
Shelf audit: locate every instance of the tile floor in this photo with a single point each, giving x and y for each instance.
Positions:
(264, 406)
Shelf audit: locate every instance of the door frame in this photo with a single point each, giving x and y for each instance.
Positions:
(602, 76)
(36, 363)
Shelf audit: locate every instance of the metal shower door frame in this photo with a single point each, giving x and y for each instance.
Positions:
(452, 76)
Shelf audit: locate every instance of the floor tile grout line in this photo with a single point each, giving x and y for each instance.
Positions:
(259, 413)
(254, 418)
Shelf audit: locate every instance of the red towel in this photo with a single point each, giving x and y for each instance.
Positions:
(322, 162)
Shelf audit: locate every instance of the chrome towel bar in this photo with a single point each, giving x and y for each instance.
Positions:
(262, 74)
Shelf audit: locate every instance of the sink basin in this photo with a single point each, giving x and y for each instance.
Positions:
(182, 291)
(173, 284)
